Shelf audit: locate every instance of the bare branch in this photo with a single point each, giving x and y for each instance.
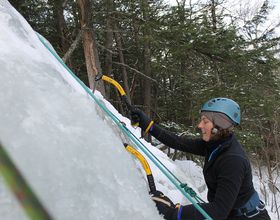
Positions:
(73, 45)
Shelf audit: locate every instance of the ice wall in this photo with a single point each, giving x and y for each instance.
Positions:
(74, 161)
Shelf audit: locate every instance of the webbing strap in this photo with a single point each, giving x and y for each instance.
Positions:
(17, 184)
(134, 139)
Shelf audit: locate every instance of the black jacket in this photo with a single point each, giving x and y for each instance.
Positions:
(228, 174)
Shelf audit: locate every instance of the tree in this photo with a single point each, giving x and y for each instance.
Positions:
(58, 14)
(183, 56)
(109, 44)
(89, 42)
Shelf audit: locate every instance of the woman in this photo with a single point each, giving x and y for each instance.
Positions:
(227, 170)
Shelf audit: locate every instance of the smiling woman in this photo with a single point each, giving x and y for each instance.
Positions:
(206, 127)
(227, 170)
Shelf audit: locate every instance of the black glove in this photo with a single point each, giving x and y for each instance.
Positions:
(138, 118)
(166, 207)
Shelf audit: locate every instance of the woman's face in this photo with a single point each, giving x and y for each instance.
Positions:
(206, 127)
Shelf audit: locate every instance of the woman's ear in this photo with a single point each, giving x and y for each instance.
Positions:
(215, 130)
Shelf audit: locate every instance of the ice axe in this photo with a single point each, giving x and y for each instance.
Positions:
(120, 89)
(146, 166)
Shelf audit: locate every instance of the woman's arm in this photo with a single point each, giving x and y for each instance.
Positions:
(195, 146)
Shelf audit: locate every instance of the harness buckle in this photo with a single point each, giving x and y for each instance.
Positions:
(256, 211)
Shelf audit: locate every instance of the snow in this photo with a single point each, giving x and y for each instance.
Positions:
(68, 149)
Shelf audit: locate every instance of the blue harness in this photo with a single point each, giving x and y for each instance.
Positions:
(252, 208)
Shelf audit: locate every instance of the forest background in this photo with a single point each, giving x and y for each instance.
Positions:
(170, 60)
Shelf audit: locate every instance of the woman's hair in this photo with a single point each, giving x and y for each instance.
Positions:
(220, 119)
(220, 134)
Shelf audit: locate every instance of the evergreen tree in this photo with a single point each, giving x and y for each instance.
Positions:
(191, 54)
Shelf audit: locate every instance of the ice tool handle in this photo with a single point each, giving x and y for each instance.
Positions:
(146, 166)
(118, 86)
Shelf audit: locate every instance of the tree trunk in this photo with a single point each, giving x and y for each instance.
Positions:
(109, 46)
(123, 70)
(61, 29)
(147, 67)
(213, 14)
(147, 64)
(138, 65)
(133, 86)
(89, 43)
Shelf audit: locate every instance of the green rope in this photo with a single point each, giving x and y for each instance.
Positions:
(151, 153)
(187, 189)
(126, 131)
(20, 188)
(191, 192)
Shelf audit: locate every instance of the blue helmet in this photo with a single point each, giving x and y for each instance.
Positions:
(225, 106)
